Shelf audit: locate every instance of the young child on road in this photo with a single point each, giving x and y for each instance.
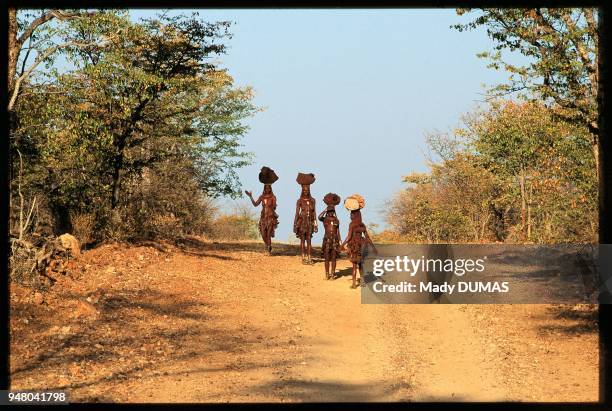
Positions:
(331, 239)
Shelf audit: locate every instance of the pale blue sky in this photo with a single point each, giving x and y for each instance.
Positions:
(349, 95)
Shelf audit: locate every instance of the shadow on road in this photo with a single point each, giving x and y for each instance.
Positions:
(571, 320)
(197, 246)
(346, 272)
(137, 333)
(302, 390)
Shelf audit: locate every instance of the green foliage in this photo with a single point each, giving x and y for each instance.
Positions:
(164, 202)
(141, 132)
(450, 203)
(561, 47)
(519, 175)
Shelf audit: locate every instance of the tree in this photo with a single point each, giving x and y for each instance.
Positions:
(561, 45)
(520, 143)
(156, 95)
(150, 102)
(513, 171)
(508, 138)
(449, 203)
(33, 40)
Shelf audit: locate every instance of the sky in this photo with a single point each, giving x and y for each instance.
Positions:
(348, 95)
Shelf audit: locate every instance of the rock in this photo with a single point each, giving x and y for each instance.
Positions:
(85, 309)
(94, 298)
(38, 298)
(71, 243)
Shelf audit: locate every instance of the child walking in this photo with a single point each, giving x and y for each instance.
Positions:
(331, 239)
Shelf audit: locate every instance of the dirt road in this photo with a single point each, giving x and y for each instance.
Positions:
(224, 323)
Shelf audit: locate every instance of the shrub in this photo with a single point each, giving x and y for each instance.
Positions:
(241, 224)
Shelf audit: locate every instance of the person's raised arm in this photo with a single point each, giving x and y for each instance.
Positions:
(322, 215)
(250, 194)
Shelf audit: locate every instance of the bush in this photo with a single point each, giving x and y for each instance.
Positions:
(83, 226)
(165, 202)
(22, 263)
(241, 224)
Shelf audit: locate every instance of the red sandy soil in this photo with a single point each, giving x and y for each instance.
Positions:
(222, 322)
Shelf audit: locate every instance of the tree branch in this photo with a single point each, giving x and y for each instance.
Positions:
(42, 57)
(33, 26)
(50, 15)
(25, 59)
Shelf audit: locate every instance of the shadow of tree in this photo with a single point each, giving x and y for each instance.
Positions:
(137, 331)
(572, 321)
(119, 313)
(303, 390)
(197, 246)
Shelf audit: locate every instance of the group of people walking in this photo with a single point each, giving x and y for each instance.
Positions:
(305, 224)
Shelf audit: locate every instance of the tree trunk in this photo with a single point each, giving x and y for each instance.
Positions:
(61, 219)
(483, 226)
(529, 204)
(528, 220)
(595, 147)
(523, 201)
(13, 51)
(116, 187)
(118, 168)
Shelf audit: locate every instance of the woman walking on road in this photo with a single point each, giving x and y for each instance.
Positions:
(305, 221)
(268, 221)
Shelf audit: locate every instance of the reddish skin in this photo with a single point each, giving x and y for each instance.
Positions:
(355, 222)
(268, 201)
(305, 207)
(331, 256)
